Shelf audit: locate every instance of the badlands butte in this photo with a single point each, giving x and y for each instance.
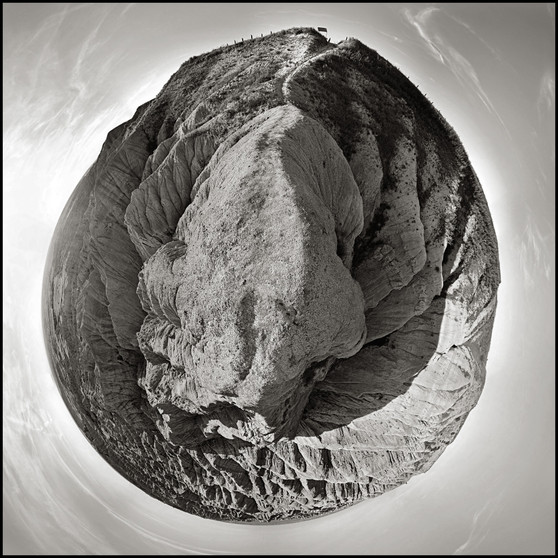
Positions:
(272, 295)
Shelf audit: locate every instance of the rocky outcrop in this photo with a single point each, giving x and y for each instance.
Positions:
(256, 286)
(272, 295)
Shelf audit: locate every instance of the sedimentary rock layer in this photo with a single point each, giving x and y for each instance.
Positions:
(272, 294)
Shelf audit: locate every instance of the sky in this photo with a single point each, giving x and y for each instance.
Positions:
(72, 72)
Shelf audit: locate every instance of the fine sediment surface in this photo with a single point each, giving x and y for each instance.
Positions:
(272, 294)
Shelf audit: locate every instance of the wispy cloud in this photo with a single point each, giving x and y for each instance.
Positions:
(536, 249)
(127, 8)
(478, 528)
(551, 8)
(471, 30)
(547, 94)
(442, 51)
(59, 102)
(419, 22)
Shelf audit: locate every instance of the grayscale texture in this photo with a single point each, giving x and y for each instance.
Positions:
(74, 71)
(273, 294)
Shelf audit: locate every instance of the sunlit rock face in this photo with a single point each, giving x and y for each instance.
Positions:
(272, 295)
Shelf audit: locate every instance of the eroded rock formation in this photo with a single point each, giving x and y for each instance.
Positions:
(272, 294)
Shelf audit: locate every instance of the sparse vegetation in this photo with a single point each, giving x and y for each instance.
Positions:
(235, 80)
(367, 242)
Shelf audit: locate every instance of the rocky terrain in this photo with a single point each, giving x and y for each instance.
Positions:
(272, 294)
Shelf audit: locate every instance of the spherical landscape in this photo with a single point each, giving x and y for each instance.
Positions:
(272, 294)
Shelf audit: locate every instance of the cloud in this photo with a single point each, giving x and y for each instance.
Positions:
(469, 28)
(547, 94)
(127, 8)
(551, 9)
(536, 249)
(59, 104)
(419, 22)
(442, 51)
(478, 528)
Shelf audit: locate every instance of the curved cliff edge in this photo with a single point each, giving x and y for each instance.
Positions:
(272, 295)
